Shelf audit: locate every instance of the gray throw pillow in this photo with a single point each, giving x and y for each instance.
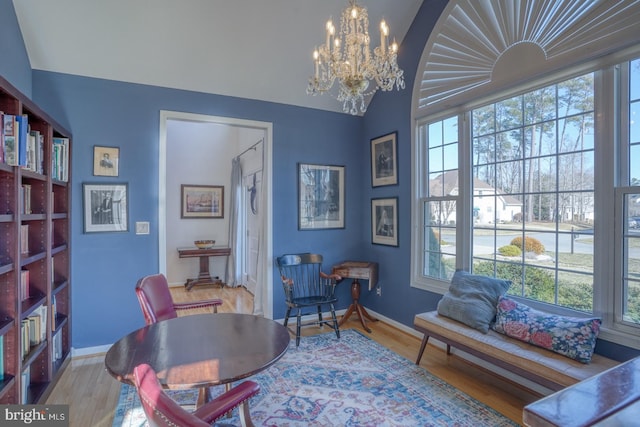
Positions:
(473, 299)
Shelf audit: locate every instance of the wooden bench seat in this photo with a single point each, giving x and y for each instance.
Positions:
(544, 367)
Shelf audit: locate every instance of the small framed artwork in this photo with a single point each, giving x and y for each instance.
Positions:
(384, 221)
(320, 196)
(105, 207)
(384, 160)
(202, 201)
(105, 161)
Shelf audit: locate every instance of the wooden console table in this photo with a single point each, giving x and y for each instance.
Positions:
(204, 277)
(357, 270)
(611, 398)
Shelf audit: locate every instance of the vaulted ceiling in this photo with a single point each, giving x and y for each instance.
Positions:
(254, 49)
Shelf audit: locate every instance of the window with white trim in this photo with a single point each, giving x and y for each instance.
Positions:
(530, 195)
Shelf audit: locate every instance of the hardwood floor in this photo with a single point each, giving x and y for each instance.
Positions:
(93, 394)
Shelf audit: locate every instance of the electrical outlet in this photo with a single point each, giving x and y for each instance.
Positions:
(142, 227)
(379, 290)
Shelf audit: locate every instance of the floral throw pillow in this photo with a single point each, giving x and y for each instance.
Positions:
(574, 337)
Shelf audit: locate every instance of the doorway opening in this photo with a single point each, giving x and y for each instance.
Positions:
(239, 135)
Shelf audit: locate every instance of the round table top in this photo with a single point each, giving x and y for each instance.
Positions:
(200, 350)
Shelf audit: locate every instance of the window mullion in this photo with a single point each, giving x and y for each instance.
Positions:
(465, 197)
(606, 250)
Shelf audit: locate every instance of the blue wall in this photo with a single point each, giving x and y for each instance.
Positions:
(391, 111)
(14, 62)
(105, 267)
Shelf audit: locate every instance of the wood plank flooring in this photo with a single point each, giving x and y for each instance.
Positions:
(93, 394)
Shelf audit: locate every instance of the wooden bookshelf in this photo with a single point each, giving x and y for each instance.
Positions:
(34, 243)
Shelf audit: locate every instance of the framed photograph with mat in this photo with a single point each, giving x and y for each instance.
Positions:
(105, 160)
(384, 160)
(321, 200)
(105, 207)
(384, 221)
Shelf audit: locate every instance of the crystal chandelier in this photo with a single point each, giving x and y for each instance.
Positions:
(347, 58)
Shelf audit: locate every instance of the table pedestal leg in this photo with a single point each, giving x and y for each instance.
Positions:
(355, 306)
(204, 277)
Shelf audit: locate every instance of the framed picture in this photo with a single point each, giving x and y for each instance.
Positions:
(105, 161)
(384, 160)
(105, 207)
(320, 196)
(202, 201)
(384, 221)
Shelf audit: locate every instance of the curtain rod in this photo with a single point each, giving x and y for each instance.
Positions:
(253, 147)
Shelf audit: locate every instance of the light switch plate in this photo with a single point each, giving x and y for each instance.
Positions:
(142, 227)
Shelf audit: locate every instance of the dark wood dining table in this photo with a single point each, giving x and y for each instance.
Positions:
(200, 350)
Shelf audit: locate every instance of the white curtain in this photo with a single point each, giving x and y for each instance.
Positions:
(259, 296)
(234, 266)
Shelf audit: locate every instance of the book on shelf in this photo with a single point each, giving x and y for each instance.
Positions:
(24, 284)
(34, 330)
(57, 346)
(60, 159)
(38, 325)
(24, 333)
(41, 312)
(2, 137)
(35, 152)
(1, 357)
(24, 239)
(9, 127)
(25, 198)
(54, 313)
(24, 384)
(22, 131)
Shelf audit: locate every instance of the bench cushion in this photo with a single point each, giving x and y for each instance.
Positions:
(574, 337)
(550, 369)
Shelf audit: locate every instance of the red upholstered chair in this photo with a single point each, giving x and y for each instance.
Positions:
(156, 301)
(161, 410)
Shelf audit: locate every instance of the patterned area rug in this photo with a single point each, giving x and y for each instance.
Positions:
(353, 381)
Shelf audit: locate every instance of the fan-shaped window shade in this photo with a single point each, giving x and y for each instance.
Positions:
(478, 46)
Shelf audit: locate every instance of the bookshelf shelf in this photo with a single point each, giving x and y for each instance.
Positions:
(35, 253)
(5, 325)
(6, 384)
(59, 287)
(6, 268)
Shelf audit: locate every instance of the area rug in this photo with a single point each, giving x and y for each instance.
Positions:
(353, 381)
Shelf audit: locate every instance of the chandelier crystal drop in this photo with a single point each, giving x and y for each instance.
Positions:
(346, 57)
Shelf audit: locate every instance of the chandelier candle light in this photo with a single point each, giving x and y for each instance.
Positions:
(347, 58)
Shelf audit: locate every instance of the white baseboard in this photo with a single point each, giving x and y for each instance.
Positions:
(90, 351)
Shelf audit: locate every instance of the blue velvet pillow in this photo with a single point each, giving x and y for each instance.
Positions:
(472, 299)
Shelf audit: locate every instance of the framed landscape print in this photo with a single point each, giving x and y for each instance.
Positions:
(320, 196)
(202, 201)
(384, 160)
(105, 207)
(105, 160)
(384, 221)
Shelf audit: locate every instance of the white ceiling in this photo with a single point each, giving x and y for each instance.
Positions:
(256, 49)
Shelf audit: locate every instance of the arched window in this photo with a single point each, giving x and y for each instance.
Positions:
(532, 105)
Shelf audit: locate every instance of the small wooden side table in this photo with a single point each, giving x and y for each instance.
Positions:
(357, 270)
(204, 277)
